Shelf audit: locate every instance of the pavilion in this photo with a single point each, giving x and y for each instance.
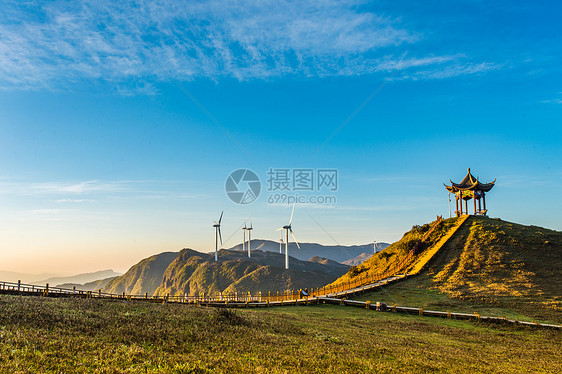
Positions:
(470, 188)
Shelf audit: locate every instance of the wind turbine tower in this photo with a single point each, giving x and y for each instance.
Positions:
(288, 228)
(244, 237)
(218, 236)
(250, 239)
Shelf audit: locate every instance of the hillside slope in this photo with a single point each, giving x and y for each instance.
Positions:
(193, 273)
(488, 264)
(396, 252)
(143, 277)
(501, 262)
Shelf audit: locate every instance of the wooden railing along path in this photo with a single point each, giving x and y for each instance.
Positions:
(357, 284)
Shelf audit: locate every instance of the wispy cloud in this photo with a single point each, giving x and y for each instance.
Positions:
(557, 100)
(49, 45)
(60, 188)
(72, 201)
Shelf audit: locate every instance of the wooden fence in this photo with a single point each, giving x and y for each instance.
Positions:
(355, 285)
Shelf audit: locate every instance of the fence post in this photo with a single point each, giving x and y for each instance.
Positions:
(421, 311)
(367, 304)
(19, 285)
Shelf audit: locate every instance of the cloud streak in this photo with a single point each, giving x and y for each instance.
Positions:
(51, 45)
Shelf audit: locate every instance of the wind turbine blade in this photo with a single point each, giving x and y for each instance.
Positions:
(296, 242)
(291, 220)
(220, 236)
(220, 219)
(279, 229)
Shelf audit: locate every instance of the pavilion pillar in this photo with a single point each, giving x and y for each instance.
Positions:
(474, 198)
(457, 205)
(484, 201)
(479, 206)
(466, 207)
(460, 203)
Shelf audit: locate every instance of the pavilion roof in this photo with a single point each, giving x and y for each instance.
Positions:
(469, 183)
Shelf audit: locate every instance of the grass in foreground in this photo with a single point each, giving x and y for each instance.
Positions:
(74, 335)
(419, 291)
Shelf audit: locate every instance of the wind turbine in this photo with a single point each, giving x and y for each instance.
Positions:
(244, 237)
(281, 243)
(375, 246)
(249, 238)
(288, 228)
(218, 235)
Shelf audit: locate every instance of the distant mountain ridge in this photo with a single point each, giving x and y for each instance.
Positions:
(78, 278)
(12, 276)
(89, 286)
(359, 259)
(339, 253)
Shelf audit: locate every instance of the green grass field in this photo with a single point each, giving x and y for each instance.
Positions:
(84, 336)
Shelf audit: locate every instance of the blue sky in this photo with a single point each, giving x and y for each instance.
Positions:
(120, 122)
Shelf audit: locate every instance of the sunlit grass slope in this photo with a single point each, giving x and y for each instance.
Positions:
(493, 265)
(393, 254)
(84, 336)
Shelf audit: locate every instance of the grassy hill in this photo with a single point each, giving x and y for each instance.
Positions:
(394, 253)
(143, 277)
(193, 273)
(55, 335)
(488, 264)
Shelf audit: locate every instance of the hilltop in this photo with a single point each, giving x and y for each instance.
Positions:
(143, 277)
(490, 262)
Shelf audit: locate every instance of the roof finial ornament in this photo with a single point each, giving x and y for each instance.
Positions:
(468, 170)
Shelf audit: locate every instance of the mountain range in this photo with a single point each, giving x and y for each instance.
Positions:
(339, 253)
(78, 278)
(192, 273)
